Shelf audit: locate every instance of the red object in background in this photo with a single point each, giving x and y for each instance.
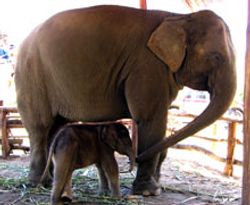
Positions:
(143, 4)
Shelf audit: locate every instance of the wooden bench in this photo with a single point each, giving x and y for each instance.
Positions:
(10, 119)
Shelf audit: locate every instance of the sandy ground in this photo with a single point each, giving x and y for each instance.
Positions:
(188, 177)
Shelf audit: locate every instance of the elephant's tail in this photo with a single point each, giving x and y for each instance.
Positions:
(46, 172)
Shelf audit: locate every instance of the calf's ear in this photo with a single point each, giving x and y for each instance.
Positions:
(109, 136)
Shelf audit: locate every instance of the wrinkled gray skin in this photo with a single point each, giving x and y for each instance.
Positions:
(109, 62)
(77, 146)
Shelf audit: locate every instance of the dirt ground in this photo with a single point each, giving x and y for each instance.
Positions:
(188, 178)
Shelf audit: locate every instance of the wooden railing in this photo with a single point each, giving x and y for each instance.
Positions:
(231, 138)
(9, 119)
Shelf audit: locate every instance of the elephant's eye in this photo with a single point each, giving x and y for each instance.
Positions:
(215, 59)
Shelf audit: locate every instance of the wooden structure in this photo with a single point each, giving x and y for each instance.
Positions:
(10, 119)
(231, 139)
(246, 168)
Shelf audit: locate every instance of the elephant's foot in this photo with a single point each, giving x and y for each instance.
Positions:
(35, 180)
(146, 188)
(103, 192)
(36, 172)
(57, 202)
(66, 198)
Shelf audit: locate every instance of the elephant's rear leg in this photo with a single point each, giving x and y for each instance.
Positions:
(63, 168)
(38, 145)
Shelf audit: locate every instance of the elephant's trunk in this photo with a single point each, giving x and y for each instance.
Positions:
(222, 93)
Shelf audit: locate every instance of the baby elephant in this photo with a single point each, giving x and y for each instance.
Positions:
(80, 145)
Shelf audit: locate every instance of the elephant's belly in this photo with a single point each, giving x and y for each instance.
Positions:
(94, 112)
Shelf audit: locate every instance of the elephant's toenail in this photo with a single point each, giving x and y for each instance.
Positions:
(157, 192)
(146, 193)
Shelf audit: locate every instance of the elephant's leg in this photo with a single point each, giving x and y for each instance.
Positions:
(38, 154)
(145, 182)
(111, 172)
(58, 183)
(147, 103)
(37, 120)
(67, 193)
(103, 182)
(63, 162)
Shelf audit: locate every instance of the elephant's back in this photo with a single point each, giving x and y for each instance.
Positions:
(80, 59)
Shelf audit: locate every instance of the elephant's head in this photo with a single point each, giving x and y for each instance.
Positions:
(117, 137)
(198, 49)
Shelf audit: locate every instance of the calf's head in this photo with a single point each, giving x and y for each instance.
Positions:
(117, 137)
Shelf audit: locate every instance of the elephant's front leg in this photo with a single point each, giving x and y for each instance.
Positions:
(146, 182)
(148, 105)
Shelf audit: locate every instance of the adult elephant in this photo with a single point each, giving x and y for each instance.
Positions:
(109, 62)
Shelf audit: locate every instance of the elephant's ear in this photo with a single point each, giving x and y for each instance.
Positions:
(168, 42)
(109, 136)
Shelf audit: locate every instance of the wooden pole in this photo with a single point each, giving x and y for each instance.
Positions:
(246, 155)
(231, 142)
(143, 4)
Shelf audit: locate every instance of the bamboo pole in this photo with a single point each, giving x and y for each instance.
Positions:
(246, 167)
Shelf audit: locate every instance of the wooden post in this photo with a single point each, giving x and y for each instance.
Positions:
(5, 141)
(143, 4)
(231, 142)
(246, 141)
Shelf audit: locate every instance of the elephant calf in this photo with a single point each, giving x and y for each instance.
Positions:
(80, 145)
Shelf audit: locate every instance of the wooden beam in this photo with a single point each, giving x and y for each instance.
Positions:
(246, 155)
(143, 4)
(228, 171)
